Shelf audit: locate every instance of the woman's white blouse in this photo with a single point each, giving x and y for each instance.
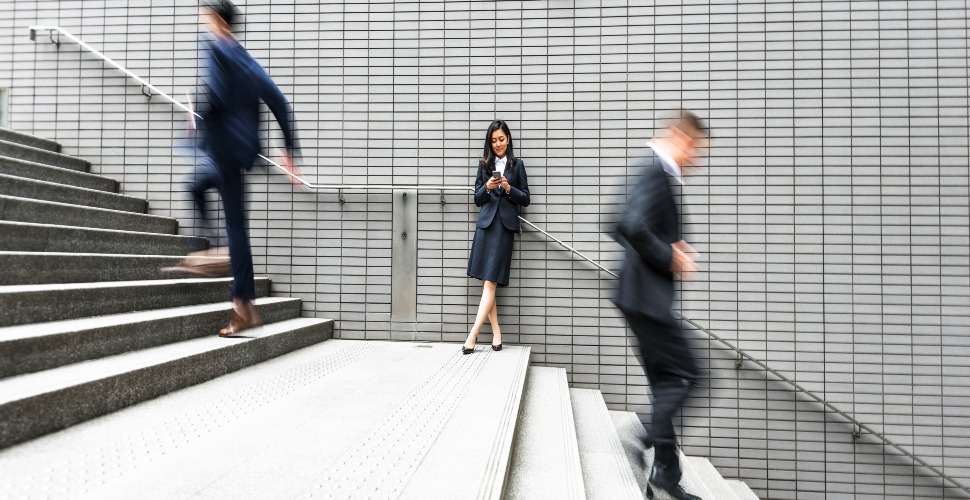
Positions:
(500, 164)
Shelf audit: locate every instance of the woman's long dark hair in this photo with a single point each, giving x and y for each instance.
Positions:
(488, 156)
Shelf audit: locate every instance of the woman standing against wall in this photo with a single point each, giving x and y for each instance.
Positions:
(501, 187)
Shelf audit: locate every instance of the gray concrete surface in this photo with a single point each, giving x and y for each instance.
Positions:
(348, 419)
(41, 172)
(41, 346)
(23, 152)
(18, 209)
(640, 459)
(35, 268)
(23, 304)
(35, 404)
(30, 237)
(545, 460)
(606, 470)
(28, 140)
(60, 193)
(742, 490)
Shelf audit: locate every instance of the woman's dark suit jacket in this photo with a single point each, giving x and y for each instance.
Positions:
(500, 202)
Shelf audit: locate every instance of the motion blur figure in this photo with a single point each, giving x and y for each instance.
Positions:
(234, 83)
(655, 253)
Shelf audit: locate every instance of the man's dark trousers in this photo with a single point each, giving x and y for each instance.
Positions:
(227, 179)
(672, 373)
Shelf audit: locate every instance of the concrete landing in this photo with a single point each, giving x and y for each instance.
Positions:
(340, 419)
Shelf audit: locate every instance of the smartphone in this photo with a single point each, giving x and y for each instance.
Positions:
(496, 175)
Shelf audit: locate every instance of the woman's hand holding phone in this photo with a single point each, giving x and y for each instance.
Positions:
(493, 182)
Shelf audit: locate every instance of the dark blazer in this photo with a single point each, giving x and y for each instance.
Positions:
(234, 85)
(505, 204)
(648, 227)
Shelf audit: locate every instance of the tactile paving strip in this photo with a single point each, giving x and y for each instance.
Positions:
(380, 465)
(77, 475)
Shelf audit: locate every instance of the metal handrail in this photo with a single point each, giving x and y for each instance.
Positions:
(860, 427)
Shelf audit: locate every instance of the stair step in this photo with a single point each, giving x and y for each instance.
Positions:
(27, 237)
(38, 403)
(41, 172)
(340, 418)
(704, 470)
(545, 461)
(465, 464)
(42, 346)
(28, 140)
(37, 268)
(52, 191)
(632, 434)
(606, 470)
(46, 212)
(24, 304)
(742, 490)
(38, 155)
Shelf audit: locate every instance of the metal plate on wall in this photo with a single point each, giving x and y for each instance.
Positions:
(404, 264)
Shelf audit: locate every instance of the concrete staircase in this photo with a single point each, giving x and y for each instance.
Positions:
(89, 327)
(88, 322)
(358, 420)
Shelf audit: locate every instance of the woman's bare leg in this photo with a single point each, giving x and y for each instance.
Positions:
(493, 319)
(485, 308)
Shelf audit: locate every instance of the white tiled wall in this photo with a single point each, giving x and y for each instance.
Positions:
(832, 217)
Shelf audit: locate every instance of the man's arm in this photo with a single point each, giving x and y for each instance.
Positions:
(635, 226)
(273, 97)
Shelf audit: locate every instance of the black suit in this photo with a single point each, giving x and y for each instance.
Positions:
(505, 204)
(498, 221)
(645, 294)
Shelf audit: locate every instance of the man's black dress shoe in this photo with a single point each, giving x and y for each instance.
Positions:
(659, 480)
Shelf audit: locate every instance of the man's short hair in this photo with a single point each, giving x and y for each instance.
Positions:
(225, 10)
(689, 124)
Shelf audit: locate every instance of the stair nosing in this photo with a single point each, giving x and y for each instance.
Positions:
(573, 461)
(497, 470)
(85, 207)
(606, 427)
(115, 197)
(546, 406)
(62, 170)
(56, 146)
(119, 364)
(96, 229)
(94, 285)
(16, 333)
(692, 465)
(101, 255)
(46, 152)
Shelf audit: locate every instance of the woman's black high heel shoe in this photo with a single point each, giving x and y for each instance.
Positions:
(497, 347)
(467, 350)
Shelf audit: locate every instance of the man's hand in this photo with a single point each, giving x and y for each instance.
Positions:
(293, 172)
(682, 262)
